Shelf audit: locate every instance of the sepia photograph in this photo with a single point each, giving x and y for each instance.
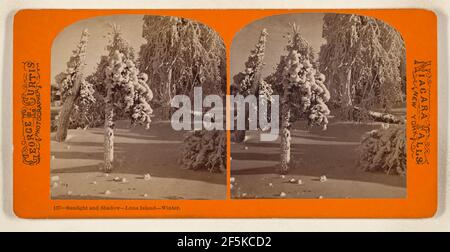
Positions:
(194, 116)
(340, 82)
(114, 79)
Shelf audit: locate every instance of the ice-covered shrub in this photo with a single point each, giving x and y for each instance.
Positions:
(205, 150)
(384, 150)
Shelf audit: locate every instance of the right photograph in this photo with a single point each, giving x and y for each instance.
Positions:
(332, 87)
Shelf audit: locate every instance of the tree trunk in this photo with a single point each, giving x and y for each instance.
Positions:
(66, 110)
(167, 99)
(166, 111)
(347, 90)
(285, 133)
(64, 118)
(239, 136)
(109, 132)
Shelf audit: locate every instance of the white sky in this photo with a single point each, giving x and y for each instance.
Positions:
(98, 28)
(310, 25)
(131, 26)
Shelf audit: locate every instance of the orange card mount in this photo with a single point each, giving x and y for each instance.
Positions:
(122, 113)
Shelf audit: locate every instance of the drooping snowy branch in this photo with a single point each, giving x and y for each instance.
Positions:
(364, 61)
(179, 55)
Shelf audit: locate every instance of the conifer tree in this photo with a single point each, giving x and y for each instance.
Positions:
(302, 89)
(249, 81)
(98, 77)
(75, 91)
(127, 93)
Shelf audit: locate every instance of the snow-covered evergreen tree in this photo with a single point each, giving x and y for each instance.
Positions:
(127, 93)
(76, 93)
(302, 89)
(98, 77)
(249, 81)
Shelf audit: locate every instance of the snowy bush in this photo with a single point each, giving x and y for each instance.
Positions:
(384, 150)
(205, 150)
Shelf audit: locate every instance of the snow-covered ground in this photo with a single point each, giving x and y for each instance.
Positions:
(76, 164)
(314, 154)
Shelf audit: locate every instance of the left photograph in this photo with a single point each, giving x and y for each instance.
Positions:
(114, 80)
